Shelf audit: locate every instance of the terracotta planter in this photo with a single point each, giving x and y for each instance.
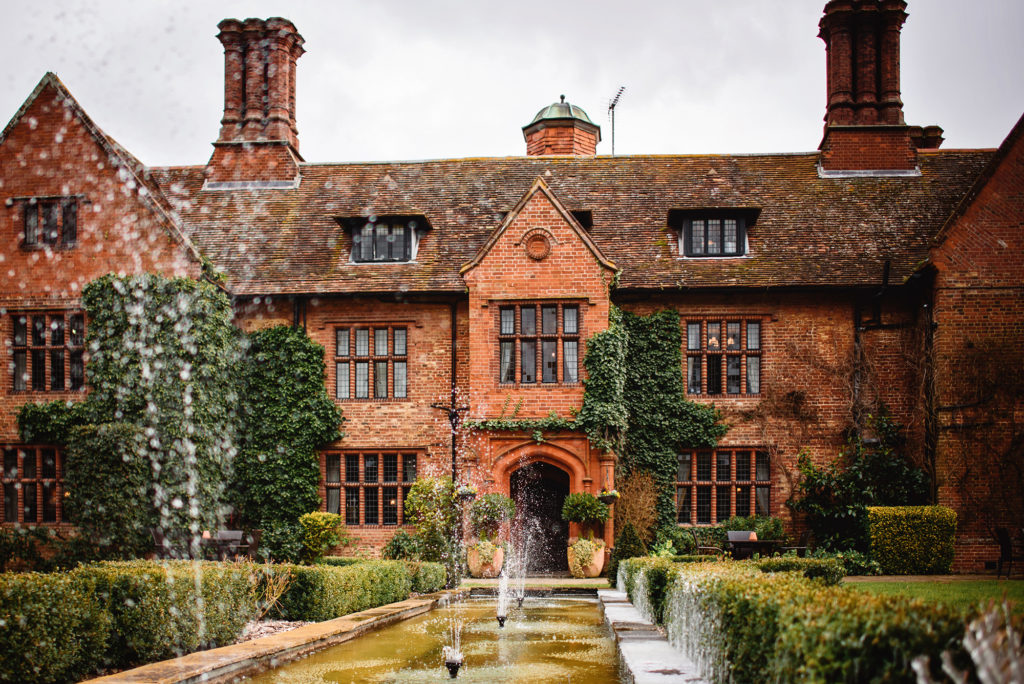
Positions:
(596, 565)
(477, 568)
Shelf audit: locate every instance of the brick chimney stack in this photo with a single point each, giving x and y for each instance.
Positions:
(561, 128)
(258, 141)
(864, 125)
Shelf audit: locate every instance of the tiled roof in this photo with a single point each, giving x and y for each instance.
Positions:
(811, 231)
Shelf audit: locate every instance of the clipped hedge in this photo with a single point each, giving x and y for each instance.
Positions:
(323, 592)
(740, 623)
(912, 540)
(829, 570)
(162, 610)
(339, 561)
(53, 627)
(426, 577)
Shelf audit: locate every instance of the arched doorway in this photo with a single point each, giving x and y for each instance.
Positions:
(539, 490)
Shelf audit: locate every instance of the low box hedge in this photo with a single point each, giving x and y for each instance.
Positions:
(740, 623)
(426, 577)
(324, 592)
(912, 540)
(339, 561)
(828, 570)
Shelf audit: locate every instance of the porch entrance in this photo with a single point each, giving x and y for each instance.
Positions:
(539, 490)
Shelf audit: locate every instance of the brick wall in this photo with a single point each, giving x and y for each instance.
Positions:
(846, 148)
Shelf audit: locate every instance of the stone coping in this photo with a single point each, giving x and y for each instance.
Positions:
(645, 656)
(230, 663)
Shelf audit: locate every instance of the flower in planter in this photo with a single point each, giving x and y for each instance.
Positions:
(608, 496)
(466, 491)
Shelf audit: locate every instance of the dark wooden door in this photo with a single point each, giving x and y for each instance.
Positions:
(539, 531)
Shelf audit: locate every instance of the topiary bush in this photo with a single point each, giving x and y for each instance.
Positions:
(628, 544)
(321, 532)
(488, 513)
(583, 507)
(912, 540)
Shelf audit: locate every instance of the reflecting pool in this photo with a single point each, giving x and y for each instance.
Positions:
(547, 640)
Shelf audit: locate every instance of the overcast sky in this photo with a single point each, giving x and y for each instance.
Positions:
(416, 79)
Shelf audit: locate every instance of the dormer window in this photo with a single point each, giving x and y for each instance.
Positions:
(712, 234)
(385, 238)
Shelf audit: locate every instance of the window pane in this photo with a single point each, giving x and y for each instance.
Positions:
(753, 335)
(714, 236)
(380, 248)
(49, 502)
(704, 466)
(399, 335)
(77, 332)
(57, 369)
(20, 331)
(697, 237)
(341, 381)
(507, 373)
(49, 464)
(683, 467)
(333, 467)
(570, 360)
(732, 374)
(397, 240)
(732, 335)
(362, 342)
(753, 375)
(28, 493)
(380, 342)
(409, 468)
(683, 504)
(729, 241)
(570, 320)
(549, 352)
(366, 243)
(693, 374)
(391, 467)
(351, 505)
(549, 320)
(723, 460)
(528, 360)
(334, 500)
(380, 379)
(743, 501)
(704, 505)
(714, 374)
(20, 370)
(77, 370)
(69, 227)
(528, 320)
(370, 468)
(723, 503)
(351, 467)
(57, 331)
(31, 224)
(362, 380)
(693, 336)
(391, 505)
(10, 463)
(763, 472)
(341, 336)
(508, 321)
(10, 502)
(39, 369)
(714, 336)
(401, 380)
(370, 516)
(763, 501)
(28, 464)
(51, 212)
(743, 466)
(38, 331)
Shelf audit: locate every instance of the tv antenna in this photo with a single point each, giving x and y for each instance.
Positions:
(611, 113)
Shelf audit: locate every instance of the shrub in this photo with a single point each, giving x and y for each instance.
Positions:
(912, 540)
(432, 507)
(402, 546)
(321, 592)
(53, 627)
(853, 562)
(628, 544)
(638, 505)
(583, 507)
(829, 570)
(425, 577)
(488, 512)
(339, 561)
(766, 526)
(682, 541)
(583, 551)
(20, 547)
(167, 609)
(321, 532)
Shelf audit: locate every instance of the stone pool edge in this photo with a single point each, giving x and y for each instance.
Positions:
(645, 655)
(230, 663)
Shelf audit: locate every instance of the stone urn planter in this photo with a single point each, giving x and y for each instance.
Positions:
(485, 559)
(578, 566)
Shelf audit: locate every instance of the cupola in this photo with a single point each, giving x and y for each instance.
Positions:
(561, 128)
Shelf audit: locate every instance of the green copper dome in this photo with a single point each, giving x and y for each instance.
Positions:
(562, 110)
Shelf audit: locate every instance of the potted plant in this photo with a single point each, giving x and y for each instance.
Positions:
(486, 557)
(608, 496)
(466, 492)
(585, 559)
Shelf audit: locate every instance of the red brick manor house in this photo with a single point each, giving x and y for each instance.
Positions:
(812, 287)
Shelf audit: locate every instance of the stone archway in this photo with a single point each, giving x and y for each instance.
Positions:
(539, 489)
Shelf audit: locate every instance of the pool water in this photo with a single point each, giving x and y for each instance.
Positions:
(547, 640)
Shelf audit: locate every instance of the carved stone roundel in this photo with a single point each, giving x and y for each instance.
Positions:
(538, 246)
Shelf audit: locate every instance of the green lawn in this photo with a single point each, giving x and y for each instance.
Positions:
(966, 594)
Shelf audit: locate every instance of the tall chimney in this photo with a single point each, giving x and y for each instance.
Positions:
(864, 125)
(258, 142)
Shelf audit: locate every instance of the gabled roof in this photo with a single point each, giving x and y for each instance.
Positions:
(149, 193)
(539, 186)
(811, 231)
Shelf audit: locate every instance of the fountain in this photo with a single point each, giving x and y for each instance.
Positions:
(452, 660)
(502, 598)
